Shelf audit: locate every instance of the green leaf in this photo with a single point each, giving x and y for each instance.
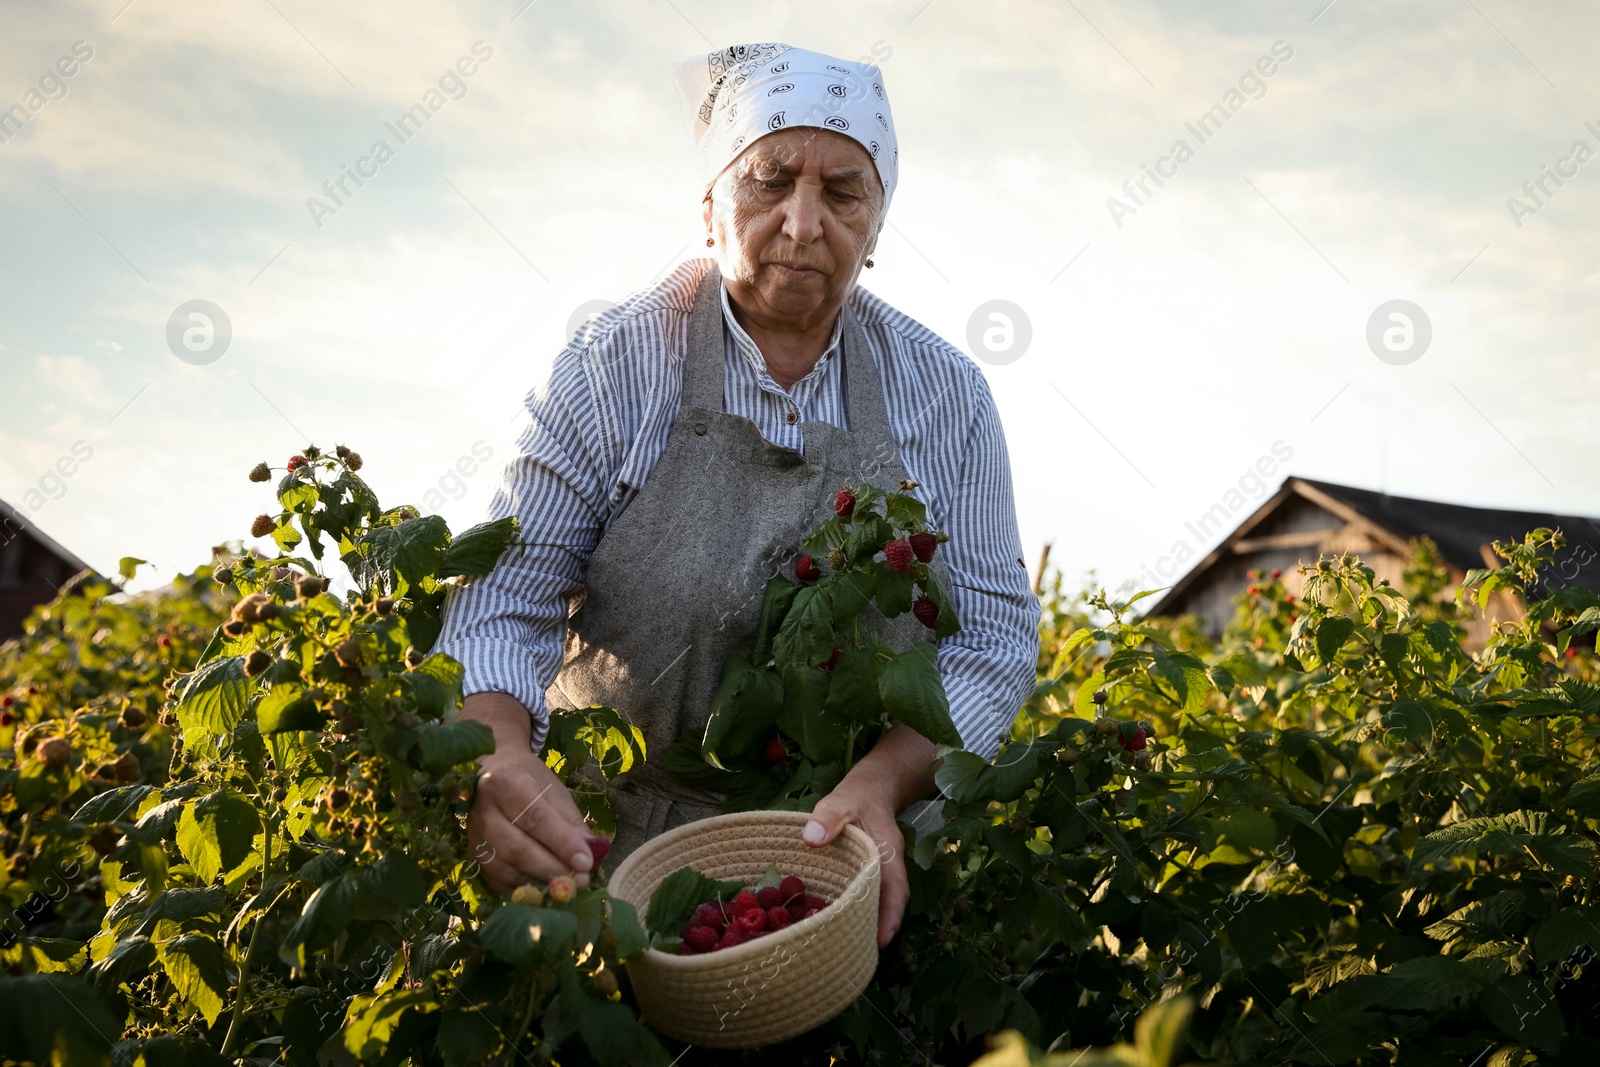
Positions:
(820, 733)
(113, 805)
(396, 877)
(806, 637)
(199, 968)
(893, 589)
(853, 687)
(1499, 834)
(743, 710)
(404, 554)
(54, 1019)
(215, 833)
(127, 566)
(213, 699)
(678, 895)
(1331, 636)
(474, 552)
(522, 936)
(630, 934)
(448, 744)
(326, 914)
(906, 511)
(913, 694)
(772, 877)
(1564, 933)
(287, 708)
(848, 593)
(372, 1022)
(1525, 1010)
(867, 537)
(467, 1038)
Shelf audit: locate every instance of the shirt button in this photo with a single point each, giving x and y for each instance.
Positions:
(700, 429)
(792, 418)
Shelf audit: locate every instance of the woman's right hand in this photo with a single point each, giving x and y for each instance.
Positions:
(524, 825)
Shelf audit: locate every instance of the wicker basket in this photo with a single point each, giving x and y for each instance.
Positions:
(780, 984)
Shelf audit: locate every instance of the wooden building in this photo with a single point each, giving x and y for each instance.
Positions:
(32, 568)
(1305, 520)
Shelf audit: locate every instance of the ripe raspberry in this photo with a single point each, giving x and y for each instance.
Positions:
(260, 473)
(562, 889)
(899, 555)
(776, 752)
(733, 936)
(685, 950)
(262, 526)
(844, 503)
(599, 848)
(778, 917)
(701, 938)
(836, 559)
(806, 569)
(6, 718)
(769, 897)
(924, 545)
(831, 662)
(752, 921)
(709, 915)
(791, 887)
(1251, 589)
(743, 902)
(296, 462)
(1276, 573)
(1136, 742)
(926, 611)
(7, 700)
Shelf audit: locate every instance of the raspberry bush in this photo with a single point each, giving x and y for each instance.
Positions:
(231, 813)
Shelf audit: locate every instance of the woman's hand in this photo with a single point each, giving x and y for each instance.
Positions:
(524, 825)
(897, 772)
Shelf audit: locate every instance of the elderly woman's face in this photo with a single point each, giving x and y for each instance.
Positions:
(795, 216)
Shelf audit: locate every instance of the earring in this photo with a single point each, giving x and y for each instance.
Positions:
(869, 263)
(710, 241)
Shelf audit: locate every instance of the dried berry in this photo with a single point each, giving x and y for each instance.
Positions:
(352, 460)
(132, 717)
(348, 653)
(262, 526)
(248, 610)
(222, 575)
(309, 585)
(337, 798)
(234, 628)
(605, 983)
(127, 768)
(260, 473)
(55, 751)
(384, 606)
(256, 663)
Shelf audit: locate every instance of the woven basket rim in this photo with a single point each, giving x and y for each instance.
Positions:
(765, 944)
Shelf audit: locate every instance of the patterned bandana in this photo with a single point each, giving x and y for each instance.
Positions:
(737, 95)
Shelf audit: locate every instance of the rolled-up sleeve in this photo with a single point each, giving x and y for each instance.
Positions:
(508, 628)
(989, 665)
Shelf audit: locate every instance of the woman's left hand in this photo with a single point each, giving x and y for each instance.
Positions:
(895, 773)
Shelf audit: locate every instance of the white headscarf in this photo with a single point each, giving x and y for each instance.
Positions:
(740, 93)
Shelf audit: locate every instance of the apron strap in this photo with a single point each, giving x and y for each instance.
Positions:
(704, 367)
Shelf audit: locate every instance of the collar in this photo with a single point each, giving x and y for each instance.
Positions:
(752, 353)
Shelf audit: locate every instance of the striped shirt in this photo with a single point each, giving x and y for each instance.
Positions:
(597, 427)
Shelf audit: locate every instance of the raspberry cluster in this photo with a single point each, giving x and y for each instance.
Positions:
(749, 915)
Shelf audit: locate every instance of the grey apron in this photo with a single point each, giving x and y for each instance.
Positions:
(676, 583)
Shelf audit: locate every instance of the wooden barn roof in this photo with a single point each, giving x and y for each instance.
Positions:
(1459, 530)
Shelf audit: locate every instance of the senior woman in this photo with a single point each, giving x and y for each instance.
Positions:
(689, 437)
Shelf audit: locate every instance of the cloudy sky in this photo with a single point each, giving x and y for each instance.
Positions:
(1177, 334)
